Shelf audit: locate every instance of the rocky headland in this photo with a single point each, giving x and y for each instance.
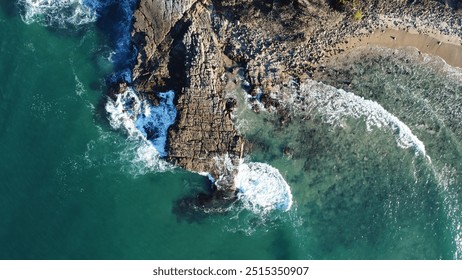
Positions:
(194, 47)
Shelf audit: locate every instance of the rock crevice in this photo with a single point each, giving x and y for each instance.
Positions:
(186, 55)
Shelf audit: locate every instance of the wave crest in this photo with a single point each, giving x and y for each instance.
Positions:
(334, 105)
(262, 188)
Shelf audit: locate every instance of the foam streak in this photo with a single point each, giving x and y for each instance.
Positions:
(58, 13)
(334, 105)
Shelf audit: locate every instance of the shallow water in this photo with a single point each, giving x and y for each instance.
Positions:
(375, 169)
(73, 187)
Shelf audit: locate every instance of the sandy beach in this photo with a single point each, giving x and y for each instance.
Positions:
(446, 47)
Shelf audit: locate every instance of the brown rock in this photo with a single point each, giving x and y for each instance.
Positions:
(190, 45)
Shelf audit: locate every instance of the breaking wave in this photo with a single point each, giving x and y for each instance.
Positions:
(334, 105)
(145, 123)
(74, 13)
(262, 188)
(60, 13)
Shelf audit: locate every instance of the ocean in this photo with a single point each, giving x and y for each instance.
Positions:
(369, 167)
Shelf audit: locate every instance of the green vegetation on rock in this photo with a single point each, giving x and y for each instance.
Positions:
(352, 7)
(358, 15)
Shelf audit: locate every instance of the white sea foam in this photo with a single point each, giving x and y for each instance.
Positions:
(262, 188)
(71, 13)
(335, 105)
(62, 13)
(140, 157)
(57, 12)
(145, 125)
(226, 167)
(153, 121)
(79, 87)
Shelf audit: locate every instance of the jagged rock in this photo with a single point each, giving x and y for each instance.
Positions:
(153, 20)
(204, 131)
(188, 46)
(188, 57)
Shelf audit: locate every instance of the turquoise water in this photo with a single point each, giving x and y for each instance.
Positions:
(72, 187)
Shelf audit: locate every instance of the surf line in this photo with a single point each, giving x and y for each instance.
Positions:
(335, 105)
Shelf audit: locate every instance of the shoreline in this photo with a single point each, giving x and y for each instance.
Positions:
(445, 47)
(195, 47)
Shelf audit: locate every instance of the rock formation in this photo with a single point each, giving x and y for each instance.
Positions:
(189, 46)
(180, 50)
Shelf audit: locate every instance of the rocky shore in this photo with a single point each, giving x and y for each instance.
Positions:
(191, 47)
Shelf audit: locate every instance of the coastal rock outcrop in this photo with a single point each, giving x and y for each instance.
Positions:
(153, 20)
(190, 46)
(186, 55)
